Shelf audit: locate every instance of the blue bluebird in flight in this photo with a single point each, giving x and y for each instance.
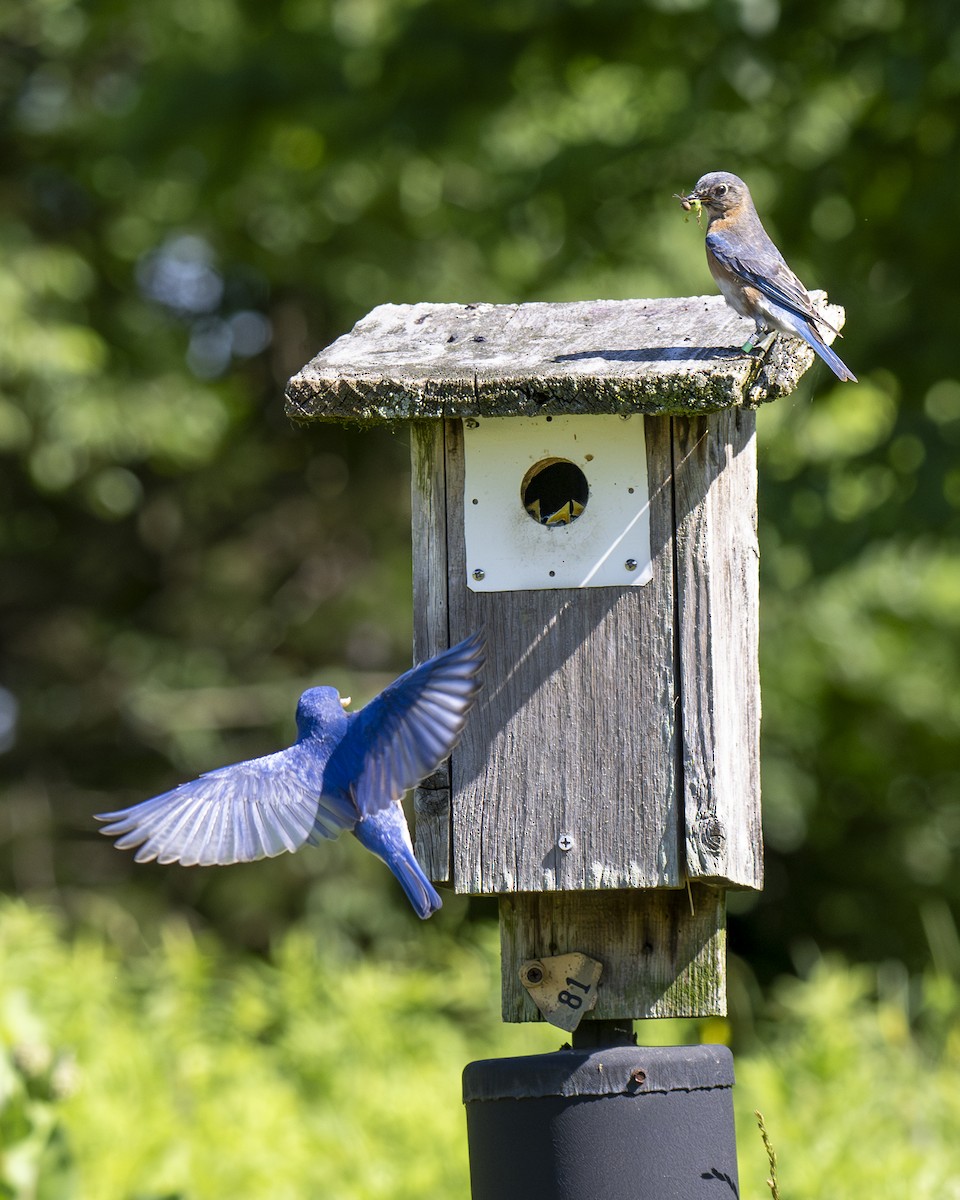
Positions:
(751, 272)
(344, 771)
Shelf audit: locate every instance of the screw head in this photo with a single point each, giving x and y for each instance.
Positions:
(565, 841)
(479, 574)
(534, 974)
(631, 564)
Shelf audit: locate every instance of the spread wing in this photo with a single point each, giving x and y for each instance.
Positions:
(407, 731)
(253, 809)
(767, 272)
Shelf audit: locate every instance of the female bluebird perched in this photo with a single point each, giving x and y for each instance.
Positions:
(345, 771)
(750, 271)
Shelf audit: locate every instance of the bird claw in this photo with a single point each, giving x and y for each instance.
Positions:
(762, 340)
(766, 340)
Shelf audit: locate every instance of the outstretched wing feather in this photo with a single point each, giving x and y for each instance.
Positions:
(250, 810)
(404, 734)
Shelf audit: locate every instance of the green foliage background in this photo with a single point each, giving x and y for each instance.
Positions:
(198, 194)
(174, 1070)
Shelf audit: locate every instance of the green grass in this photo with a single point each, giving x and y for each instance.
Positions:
(136, 1070)
(860, 1092)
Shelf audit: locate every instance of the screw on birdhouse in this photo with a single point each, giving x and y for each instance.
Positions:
(638, 1076)
(565, 841)
(479, 574)
(631, 564)
(534, 974)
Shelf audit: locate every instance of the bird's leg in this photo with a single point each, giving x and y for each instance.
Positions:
(761, 339)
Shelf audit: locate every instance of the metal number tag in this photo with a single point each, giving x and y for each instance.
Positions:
(563, 987)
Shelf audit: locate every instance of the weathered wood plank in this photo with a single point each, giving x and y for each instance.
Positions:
(718, 605)
(660, 959)
(576, 735)
(430, 625)
(680, 355)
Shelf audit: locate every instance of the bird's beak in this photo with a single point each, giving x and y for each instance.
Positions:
(345, 701)
(687, 202)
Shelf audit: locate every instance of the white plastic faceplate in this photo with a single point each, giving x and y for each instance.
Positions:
(608, 544)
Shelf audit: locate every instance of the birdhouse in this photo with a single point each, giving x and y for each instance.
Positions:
(584, 489)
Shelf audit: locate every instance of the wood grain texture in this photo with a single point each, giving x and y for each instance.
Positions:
(668, 789)
(576, 732)
(660, 959)
(718, 607)
(431, 802)
(406, 362)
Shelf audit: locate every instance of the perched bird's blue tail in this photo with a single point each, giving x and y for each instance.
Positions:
(833, 361)
(386, 835)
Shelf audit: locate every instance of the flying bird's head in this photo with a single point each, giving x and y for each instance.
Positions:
(720, 193)
(320, 711)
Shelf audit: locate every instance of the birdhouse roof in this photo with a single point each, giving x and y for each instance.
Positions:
(407, 362)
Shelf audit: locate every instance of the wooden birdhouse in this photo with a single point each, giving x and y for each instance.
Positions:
(584, 489)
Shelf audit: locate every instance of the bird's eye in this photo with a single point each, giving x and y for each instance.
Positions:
(720, 189)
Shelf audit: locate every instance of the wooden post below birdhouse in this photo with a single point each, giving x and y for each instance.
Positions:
(584, 489)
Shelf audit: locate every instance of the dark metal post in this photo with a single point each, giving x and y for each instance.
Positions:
(613, 1122)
